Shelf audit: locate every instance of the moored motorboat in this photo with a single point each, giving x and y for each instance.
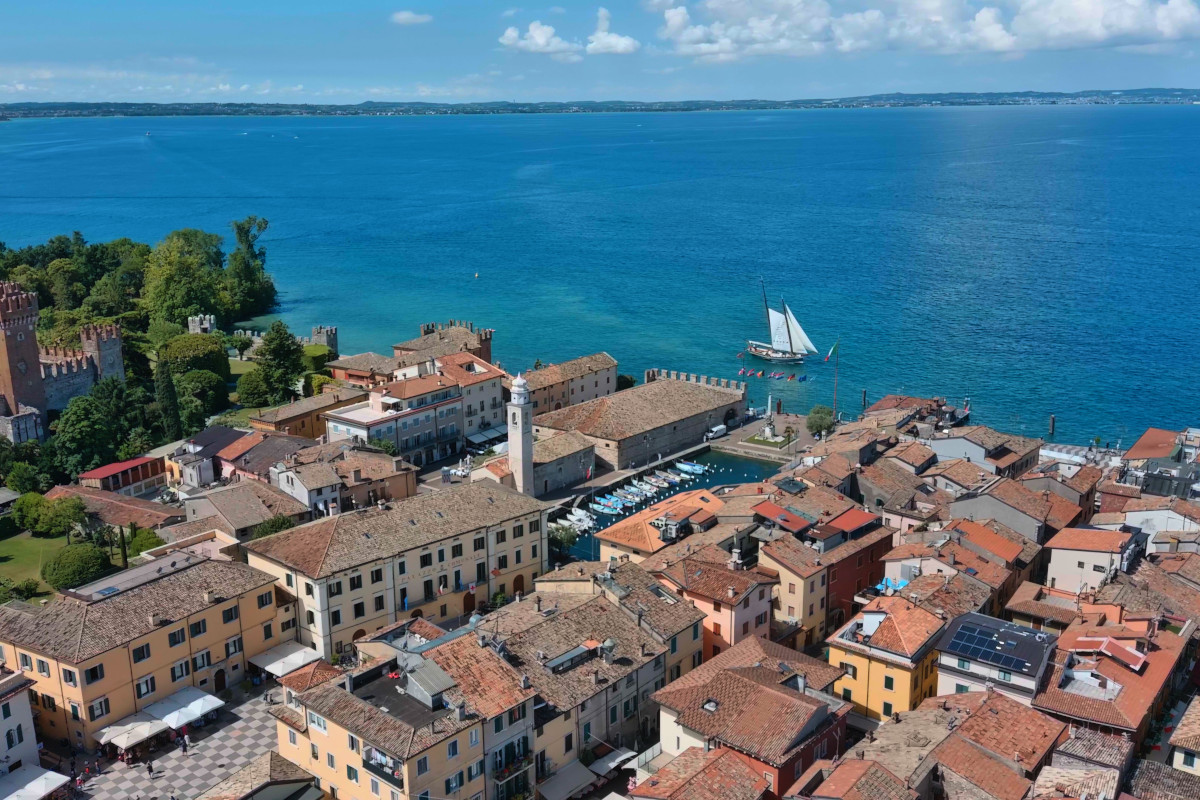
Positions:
(691, 467)
(601, 509)
(656, 481)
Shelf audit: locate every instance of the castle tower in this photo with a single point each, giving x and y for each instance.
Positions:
(520, 437)
(20, 368)
(102, 344)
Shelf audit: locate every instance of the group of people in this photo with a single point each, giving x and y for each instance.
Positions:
(92, 768)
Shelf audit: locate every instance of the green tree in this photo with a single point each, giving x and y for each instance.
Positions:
(280, 357)
(191, 415)
(317, 383)
(85, 437)
(386, 445)
(65, 283)
(626, 382)
(61, 517)
(314, 357)
(241, 343)
(75, 565)
(142, 540)
(28, 510)
(168, 402)
(23, 478)
(181, 278)
(820, 420)
(160, 332)
(207, 387)
(252, 389)
(275, 524)
(250, 289)
(193, 351)
(137, 442)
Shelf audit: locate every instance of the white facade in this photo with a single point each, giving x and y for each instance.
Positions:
(322, 501)
(19, 746)
(957, 675)
(1078, 570)
(520, 438)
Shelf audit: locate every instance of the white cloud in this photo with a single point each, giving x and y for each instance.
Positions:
(411, 18)
(728, 30)
(557, 10)
(541, 38)
(510, 12)
(605, 41)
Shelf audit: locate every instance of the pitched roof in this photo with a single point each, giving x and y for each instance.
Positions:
(310, 675)
(269, 768)
(1183, 508)
(1012, 447)
(986, 538)
(207, 443)
(891, 401)
(467, 369)
(247, 503)
(1154, 443)
(906, 629)
(852, 779)
(108, 470)
(1187, 730)
(257, 456)
(754, 651)
(979, 768)
(574, 369)
(1037, 601)
(638, 410)
(1004, 727)
(853, 519)
(75, 630)
(366, 362)
(309, 405)
(1092, 539)
(486, 680)
(956, 557)
(1058, 782)
(966, 474)
(706, 572)
(445, 339)
(636, 531)
(117, 509)
(949, 595)
(546, 451)
(635, 590)
(792, 555)
(333, 544)
(696, 774)
(1151, 780)
(912, 453)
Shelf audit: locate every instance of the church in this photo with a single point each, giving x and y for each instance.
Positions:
(37, 380)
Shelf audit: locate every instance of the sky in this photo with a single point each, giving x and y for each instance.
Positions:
(473, 50)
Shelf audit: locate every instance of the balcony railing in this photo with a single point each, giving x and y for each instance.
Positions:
(512, 769)
(394, 777)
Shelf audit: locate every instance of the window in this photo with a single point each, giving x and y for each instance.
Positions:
(69, 677)
(401, 568)
(310, 617)
(964, 663)
(233, 646)
(454, 783)
(48, 702)
(612, 718)
(441, 555)
(674, 644)
(1189, 759)
(452, 748)
(145, 686)
(360, 609)
(330, 761)
(534, 525)
(889, 684)
(695, 631)
(377, 575)
(518, 531)
(291, 581)
(43, 667)
(761, 619)
(355, 582)
(93, 674)
(334, 589)
(312, 751)
(474, 737)
(501, 537)
(292, 738)
(229, 615)
(716, 629)
(75, 712)
(335, 617)
(480, 572)
(351, 773)
(318, 722)
(308, 589)
(98, 709)
(379, 603)
(498, 724)
(456, 551)
(176, 638)
(180, 670)
(422, 765)
(198, 628)
(201, 660)
(846, 695)
(1079, 564)
(374, 787)
(517, 556)
(887, 709)
(516, 714)
(851, 671)
(267, 632)
(426, 560)
(5, 711)
(568, 743)
(960, 689)
(1006, 676)
(502, 562)
(480, 543)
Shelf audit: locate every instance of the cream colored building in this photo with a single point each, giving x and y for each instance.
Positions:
(107, 650)
(1185, 740)
(576, 381)
(437, 555)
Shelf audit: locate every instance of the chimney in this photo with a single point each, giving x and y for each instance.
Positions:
(732, 593)
(596, 677)
(155, 620)
(210, 597)
(524, 681)
(461, 710)
(537, 603)
(358, 476)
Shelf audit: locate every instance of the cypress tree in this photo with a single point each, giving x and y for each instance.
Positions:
(168, 401)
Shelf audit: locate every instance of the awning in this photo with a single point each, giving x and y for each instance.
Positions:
(134, 729)
(285, 658)
(30, 782)
(488, 435)
(569, 779)
(606, 764)
(187, 705)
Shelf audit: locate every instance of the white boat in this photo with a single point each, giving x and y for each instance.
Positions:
(789, 343)
(656, 481)
(579, 515)
(692, 467)
(667, 478)
(647, 489)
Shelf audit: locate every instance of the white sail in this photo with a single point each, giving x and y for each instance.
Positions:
(798, 336)
(779, 331)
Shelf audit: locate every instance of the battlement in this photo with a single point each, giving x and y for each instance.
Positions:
(100, 333)
(61, 362)
(17, 301)
(691, 377)
(484, 334)
(202, 323)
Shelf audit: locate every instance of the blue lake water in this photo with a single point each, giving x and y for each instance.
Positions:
(1038, 259)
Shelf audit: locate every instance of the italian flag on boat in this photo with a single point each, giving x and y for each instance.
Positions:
(833, 350)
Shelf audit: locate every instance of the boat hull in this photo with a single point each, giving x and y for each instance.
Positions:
(774, 356)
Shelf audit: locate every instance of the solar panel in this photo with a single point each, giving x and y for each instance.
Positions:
(974, 643)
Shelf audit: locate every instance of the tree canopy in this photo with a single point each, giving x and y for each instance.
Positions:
(280, 359)
(193, 351)
(75, 565)
(275, 524)
(819, 420)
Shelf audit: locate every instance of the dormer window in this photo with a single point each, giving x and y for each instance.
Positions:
(710, 705)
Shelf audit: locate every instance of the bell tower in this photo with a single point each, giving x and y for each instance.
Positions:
(520, 437)
(20, 366)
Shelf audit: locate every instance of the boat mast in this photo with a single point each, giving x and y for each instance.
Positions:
(766, 306)
(786, 326)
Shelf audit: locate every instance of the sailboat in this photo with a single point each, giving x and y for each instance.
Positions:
(789, 343)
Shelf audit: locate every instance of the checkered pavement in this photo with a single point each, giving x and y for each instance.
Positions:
(239, 735)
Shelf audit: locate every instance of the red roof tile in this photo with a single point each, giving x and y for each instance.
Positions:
(109, 470)
(1093, 539)
(1154, 443)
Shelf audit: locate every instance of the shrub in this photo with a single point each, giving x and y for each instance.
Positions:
(193, 351)
(26, 589)
(23, 478)
(75, 565)
(315, 383)
(275, 524)
(819, 420)
(252, 389)
(28, 510)
(207, 387)
(145, 539)
(314, 357)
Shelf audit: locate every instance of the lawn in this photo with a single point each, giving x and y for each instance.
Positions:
(239, 368)
(21, 556)
(237, 418)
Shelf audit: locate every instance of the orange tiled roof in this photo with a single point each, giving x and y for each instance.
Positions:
(240, 447)
(1154, 443)
(906, 629)
(310, 675)
(819, 674)
(986, 538)
(698, 775)
(1093, 539)
(485, 679)
(793, 556)
(1180, 506)
(853, 779)
(705, 572)
(637, 533)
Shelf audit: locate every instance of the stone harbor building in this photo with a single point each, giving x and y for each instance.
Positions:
(36, 380)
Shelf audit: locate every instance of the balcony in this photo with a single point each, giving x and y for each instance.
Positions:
(512, 769)
(389, 770)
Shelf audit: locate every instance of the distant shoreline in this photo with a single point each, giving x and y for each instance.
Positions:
(12, 111)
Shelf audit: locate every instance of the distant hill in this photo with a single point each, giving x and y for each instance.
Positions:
(383, 108)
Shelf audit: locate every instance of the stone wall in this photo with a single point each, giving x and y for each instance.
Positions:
(66, 377)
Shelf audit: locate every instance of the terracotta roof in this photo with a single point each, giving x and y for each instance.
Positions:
(1091, 539)
(366, 362)
(980, 769)
(1180, 506)
(906, 629)
(891, 401)
(853, 519)
(466, 369)
(852, 779)
(488, 683)
(574, 369)
(891, 480)
(749, 652)
(706, 572)
(1151, 780)
(1062, 511)
(310, 675)
(109, 470)
(952, 595)
(269, 768)
(1012, 447)
(966, 474)
(241, 446)
(1154, 443)
(986, 538)
(637, 533)
(851, 548)
(257, 456)
(785, 519)
(249, 502)
(337, 543)
(638, 410)
(817, 504)
(698, 775)
(309, 405)
(1035, 600)
(792, 555)
(75, 630)
(1187, 730)
(723, 534)
(912, 453)
(1185, 565)
(1058, 782)
(1044, 506)
(117, 509)
(409, 388)
(1030, 550)
(1007, 728)
(514, 618)
(445, 339)
(956, 557)
(638, 592)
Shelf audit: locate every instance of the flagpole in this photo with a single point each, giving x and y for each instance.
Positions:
(837, 357)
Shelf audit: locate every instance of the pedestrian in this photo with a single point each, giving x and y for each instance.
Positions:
(150, 768)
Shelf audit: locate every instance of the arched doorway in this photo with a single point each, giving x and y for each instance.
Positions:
(358, 634)
(730, 416)
(468, 602)
(417, 614)
(519, 584)
(219, 681)
(557, 406)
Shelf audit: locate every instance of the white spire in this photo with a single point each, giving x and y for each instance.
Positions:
(520, 391)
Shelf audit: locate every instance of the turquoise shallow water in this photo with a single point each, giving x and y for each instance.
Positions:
(1042, 260)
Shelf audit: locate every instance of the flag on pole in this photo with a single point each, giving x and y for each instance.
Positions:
(739, 355)
(833, 350)
(760, 373)
(792, 377)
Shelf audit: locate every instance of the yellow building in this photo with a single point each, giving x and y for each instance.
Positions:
(887, 652)
(107, 650)
(800, 596)
(436, 555)
(425, 720)
(1185, 740)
